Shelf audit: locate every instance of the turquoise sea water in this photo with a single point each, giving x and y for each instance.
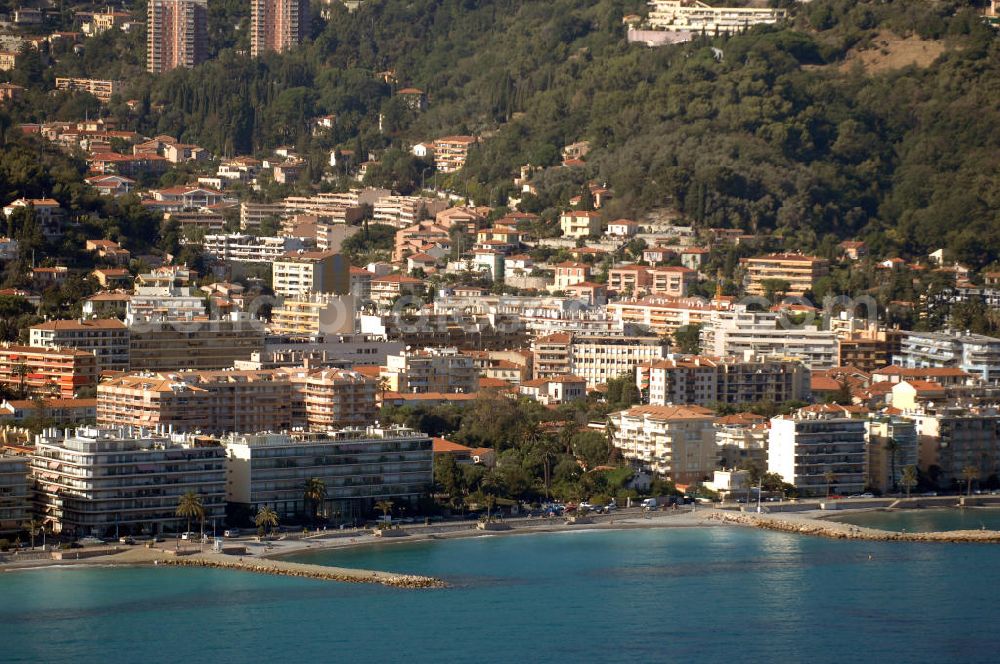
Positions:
(927, 520)
(679, 595)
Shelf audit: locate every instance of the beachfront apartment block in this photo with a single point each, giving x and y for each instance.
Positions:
(106, 338)
(677, 442)
(443, 370)
(101, 89)
(954, 438)
(277, 25)
(176, 34)
(885, 464)
(310, 272)
(820, 449)
(102, 482)
(705, 381)
(692, 17)
(174, 345)
(46, 372)
(358, 467)
(15, 502)
(797, 271)
(450, 152)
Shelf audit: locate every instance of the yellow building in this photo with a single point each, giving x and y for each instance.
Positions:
(801, 272)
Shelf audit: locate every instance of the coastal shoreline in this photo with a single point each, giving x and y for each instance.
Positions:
(282, 550)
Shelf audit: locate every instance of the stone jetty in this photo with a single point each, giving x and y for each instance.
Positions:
(804, 525)
(320, 572)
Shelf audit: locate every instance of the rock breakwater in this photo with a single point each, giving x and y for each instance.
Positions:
(320, 572)
(818, 528)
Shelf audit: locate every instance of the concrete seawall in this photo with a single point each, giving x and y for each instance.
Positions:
(320, 572)
(803, 525)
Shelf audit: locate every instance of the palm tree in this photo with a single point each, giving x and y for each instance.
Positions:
(266, 519)
(909, 479)
(892, 446)
(34, 529)
(383, 386)
(385, 506)
(190, 506)
(315, 494)
(754, 476)
(829, 476)
(969, 473)
(21, 371)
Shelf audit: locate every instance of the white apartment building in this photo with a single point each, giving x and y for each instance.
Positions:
(164, 303)
(442, 370)
(976, 354)
(357, 466)
(242, 248)
(694, 17)
(805, 446)
(664, 315)
(677, 442)
(405, 211)
(740, 332)
(102, 481)
(599, 359)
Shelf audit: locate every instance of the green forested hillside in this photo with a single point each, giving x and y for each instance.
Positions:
(779, 135)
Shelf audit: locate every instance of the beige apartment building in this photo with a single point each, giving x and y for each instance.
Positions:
(106, 338)
(665, 315)
(103, 90)
(15, 503)
(732, 380)
(42, 371)
(676, 442)
(800, 271)
(176, 34)
(580, 223)
(313, 314)
(206, 401)
(387, 289)
(451, 152)
(326, 399)
(195, 344)
(310, 272)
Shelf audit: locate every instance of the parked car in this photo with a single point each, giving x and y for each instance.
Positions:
(231, 532)
(126, 539)
(189, 536)
(90, 541)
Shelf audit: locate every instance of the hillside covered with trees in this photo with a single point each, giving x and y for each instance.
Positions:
(783, 129)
